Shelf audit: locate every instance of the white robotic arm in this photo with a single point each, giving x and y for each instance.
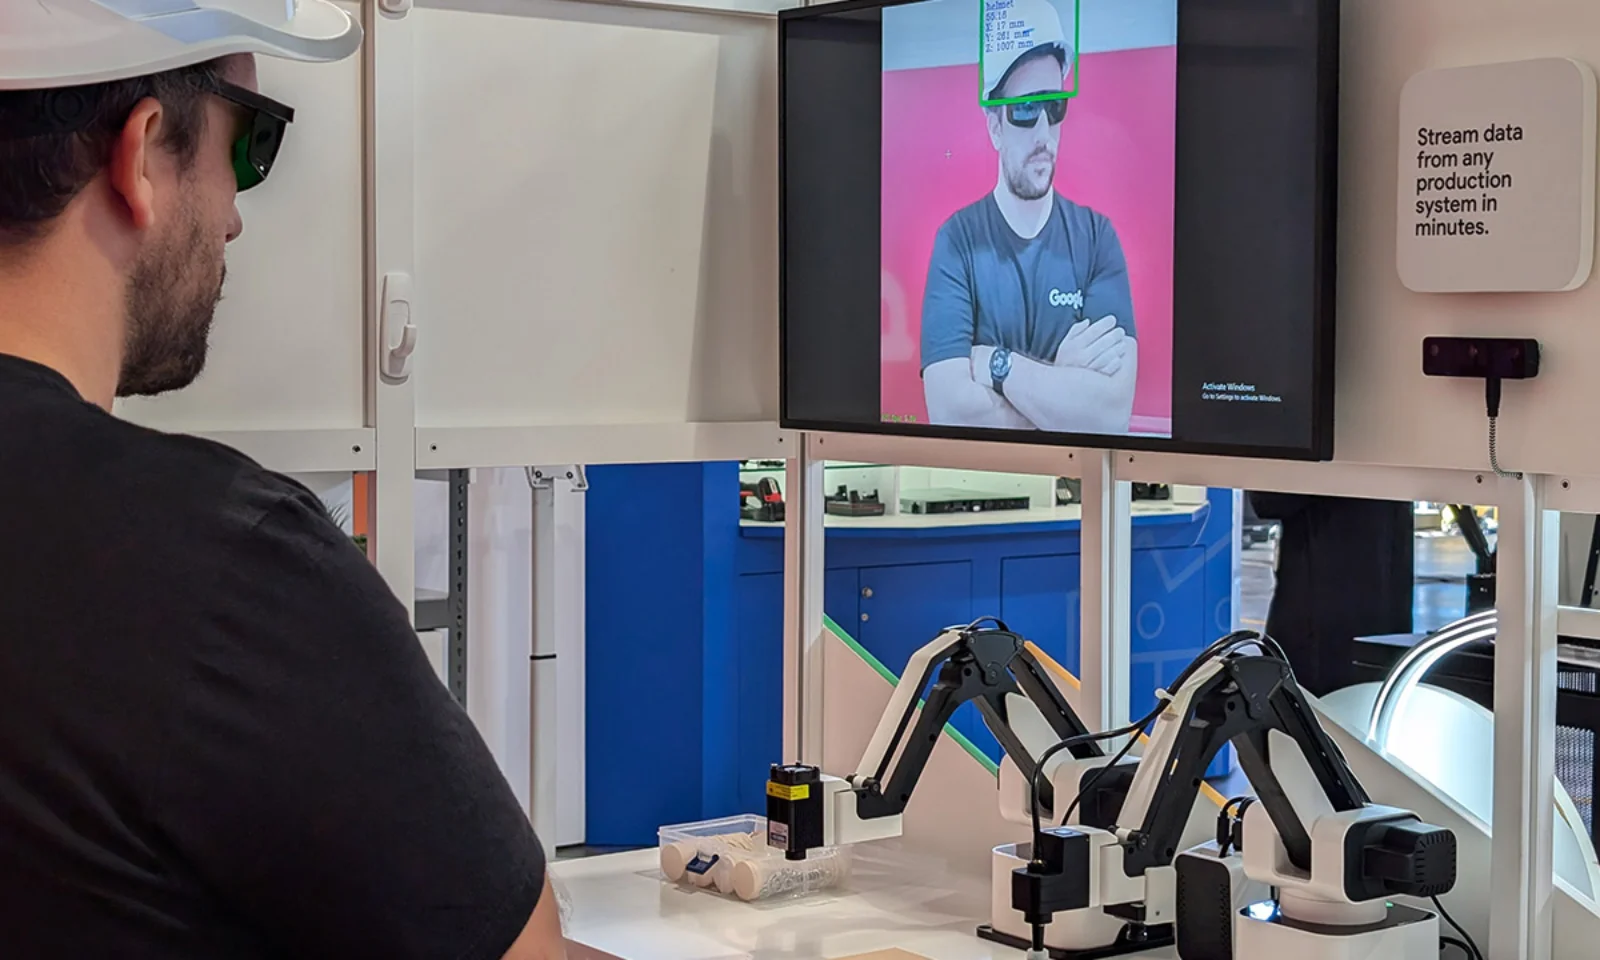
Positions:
(989, 665)
(1334, 857)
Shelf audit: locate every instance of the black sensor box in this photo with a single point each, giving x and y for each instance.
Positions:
(1482, 358)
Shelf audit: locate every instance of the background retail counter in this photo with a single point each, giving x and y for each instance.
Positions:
(685, 622)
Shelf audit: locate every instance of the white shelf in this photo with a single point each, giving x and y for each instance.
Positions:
(910, 521)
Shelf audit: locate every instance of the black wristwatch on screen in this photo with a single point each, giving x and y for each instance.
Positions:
(999, 369)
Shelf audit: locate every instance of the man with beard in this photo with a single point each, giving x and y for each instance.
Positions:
(219, 736)
(1027, 317)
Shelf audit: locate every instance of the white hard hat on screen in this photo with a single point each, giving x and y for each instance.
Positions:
(1033, 28)
(63, 43)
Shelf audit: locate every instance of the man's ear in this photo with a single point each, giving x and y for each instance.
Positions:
(132, 155)
(992, 114)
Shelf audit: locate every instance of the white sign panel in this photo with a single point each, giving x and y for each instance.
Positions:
(1497, 178)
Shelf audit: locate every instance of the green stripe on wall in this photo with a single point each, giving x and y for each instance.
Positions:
(890, 676)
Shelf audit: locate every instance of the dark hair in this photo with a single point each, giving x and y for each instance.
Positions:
(54, 142)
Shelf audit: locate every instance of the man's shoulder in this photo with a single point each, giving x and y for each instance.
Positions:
(235, 479)
(970, 221)
(169, 479)
(1079, 216)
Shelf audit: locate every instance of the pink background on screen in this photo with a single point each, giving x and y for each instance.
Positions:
(1117, 156)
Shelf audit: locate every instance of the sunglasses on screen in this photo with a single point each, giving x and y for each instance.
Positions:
(1026, 114)
(257, 147)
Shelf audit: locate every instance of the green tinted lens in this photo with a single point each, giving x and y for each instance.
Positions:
(244, 170)
(255, 152)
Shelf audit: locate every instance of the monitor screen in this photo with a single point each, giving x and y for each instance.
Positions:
(1087, 222)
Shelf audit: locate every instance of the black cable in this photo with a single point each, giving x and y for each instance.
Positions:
(998, 623)
(1225, 826)
(1471, 946)
(1095, 777)
(1491, 392)
(1226, 645)
(1069, 743)
(1452, 941)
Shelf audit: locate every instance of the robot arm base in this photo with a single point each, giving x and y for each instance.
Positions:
(1402, 933)
(1088, 931)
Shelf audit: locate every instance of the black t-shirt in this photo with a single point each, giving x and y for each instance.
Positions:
(219, 736)
(989, 287)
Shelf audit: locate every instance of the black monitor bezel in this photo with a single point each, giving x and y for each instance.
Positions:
(1323, 299)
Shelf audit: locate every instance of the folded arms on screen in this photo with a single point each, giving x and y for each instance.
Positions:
(1087, 388)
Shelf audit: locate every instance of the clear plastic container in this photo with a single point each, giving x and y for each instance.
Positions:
(731, 857)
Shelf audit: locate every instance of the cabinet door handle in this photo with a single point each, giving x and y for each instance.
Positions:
(865, 618)
(867, 592)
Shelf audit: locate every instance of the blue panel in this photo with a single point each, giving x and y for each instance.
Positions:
(1168, 592)
(908, 606)
(719, 525)
(1142, 682)
(1170, 623)
(645, 613)
(1218, 540)
(1040, 599)
(841, 599)
(758, 691)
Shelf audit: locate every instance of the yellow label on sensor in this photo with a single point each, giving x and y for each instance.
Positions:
(783, 791)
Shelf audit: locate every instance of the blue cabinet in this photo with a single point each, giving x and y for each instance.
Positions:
(1040, 599)
(903, 607)
(841, 597)
(758, 690)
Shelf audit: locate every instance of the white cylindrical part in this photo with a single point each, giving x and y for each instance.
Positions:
(675, 858)
(722, 876)
(764, 877)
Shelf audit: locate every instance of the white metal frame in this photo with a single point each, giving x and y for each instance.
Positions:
(389, 77)
(1525, 664)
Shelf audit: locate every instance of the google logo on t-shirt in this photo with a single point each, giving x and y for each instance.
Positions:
(1059, 299)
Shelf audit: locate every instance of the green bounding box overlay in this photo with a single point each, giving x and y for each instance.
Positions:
(993, 31)
(890, 676)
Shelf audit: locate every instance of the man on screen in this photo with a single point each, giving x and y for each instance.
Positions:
(1027, 317)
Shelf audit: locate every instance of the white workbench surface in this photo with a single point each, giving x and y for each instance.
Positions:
(621, 907)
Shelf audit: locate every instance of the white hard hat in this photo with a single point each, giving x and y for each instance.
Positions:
(63, 43)
(1029, 26)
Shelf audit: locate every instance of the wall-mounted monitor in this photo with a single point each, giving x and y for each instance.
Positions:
(1085, 222)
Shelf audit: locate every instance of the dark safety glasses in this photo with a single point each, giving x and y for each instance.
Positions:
(1026, 114)
(257, 147)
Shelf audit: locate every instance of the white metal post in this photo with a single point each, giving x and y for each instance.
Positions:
(803, 580)
(543, 716)
(387, 77)
(1522, 861)
(1105, 555)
